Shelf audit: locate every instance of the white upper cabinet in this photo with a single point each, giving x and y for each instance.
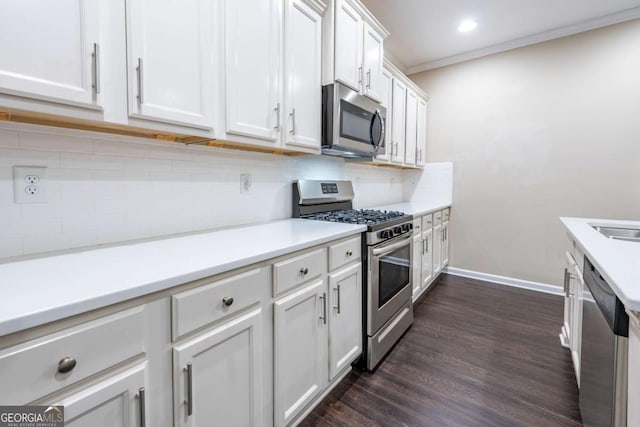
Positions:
(411, 135)
(421, 132)
(302, 75)
(373, 55)
(348, 45)
(357, 49)
(252, 61)
(170, 61)
(51, 50)
(398, 121)
(386, 92)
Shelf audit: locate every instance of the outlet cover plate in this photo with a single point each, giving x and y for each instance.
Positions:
(30, 184)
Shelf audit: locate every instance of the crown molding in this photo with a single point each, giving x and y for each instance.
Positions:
(603, 21)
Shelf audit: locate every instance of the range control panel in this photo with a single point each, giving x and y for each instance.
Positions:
(329, 188)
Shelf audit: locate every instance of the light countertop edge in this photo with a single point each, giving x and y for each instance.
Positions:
(30, 299)
(416, 208)
(617, 261)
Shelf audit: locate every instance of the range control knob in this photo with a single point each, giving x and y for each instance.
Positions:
(406, 227)
(397, 230)
(385, 234)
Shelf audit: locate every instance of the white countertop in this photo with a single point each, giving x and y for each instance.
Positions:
(415, 208)
(616, 260)
(41, 290)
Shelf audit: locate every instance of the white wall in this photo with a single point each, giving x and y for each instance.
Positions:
(433, 185)
(536, 133)
(105, 188)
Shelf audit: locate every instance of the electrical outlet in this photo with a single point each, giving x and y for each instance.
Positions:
(245, 183)
(30, 184)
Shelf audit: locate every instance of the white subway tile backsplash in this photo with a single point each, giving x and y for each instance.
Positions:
(17, 157)
(109, 188)
(120, 148)
(8, 139)
(10, 247)
(49, 142)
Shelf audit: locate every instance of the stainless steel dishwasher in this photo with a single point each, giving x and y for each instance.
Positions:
(604, 358)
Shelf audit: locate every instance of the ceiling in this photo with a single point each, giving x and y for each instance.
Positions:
(424, 33)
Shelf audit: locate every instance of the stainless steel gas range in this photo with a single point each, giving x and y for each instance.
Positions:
(386, 248)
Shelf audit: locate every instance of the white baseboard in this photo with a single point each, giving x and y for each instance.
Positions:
(503, 280)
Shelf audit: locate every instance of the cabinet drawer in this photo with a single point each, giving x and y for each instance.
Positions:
(206, 304)
(292, 272)
(437, 218)
(427, 221)
(344, 253)
(445, 215)
(417, 226)
(32, 368)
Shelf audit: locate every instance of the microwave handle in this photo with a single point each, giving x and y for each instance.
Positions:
(382, 133)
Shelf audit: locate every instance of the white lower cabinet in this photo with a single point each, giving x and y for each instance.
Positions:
(437, 249)
(118, 401)
(571, 334)
(430, 250)
(444, 246)
(633, 410)
(345, 318)
(218, 375)
(427, 258)
(300, 350)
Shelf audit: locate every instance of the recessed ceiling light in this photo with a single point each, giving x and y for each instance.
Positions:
(467, 25)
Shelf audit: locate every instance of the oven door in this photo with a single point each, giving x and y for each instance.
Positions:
(389, 280)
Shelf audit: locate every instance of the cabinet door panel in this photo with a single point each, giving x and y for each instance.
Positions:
(445, 244)
(421, 132)
(226, 379)
(345, 324)
(113, 402)
(348, 45)
(427, 258)
(170, 60)
(398, 121)
(300, 350)
(303, 74)
(372, 63)
(252, 57)
(437, 246)
(386, 92)
(416, 265)
(411, 131)
(47, 49)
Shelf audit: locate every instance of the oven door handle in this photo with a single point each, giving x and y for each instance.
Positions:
(390, 248)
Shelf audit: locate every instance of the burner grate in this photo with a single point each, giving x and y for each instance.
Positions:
(357, 216)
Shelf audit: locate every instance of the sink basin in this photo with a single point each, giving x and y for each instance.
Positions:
(618, 233)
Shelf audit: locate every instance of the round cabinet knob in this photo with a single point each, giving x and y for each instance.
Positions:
(304, 271)
(349, 253)
(66, 364)
(227, 301)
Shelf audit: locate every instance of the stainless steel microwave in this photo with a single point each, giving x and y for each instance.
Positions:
(352, 124)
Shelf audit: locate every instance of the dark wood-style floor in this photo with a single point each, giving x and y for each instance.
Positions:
(478, 354)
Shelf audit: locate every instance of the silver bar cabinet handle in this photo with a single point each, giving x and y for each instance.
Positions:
(369, 79)
(96, 68)
(360, 75)
(277, 110)
(293, 121)
(189, 401)
(427, 245)
(338, 299)
(140, 81)
(324, 308)
(143, 413)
